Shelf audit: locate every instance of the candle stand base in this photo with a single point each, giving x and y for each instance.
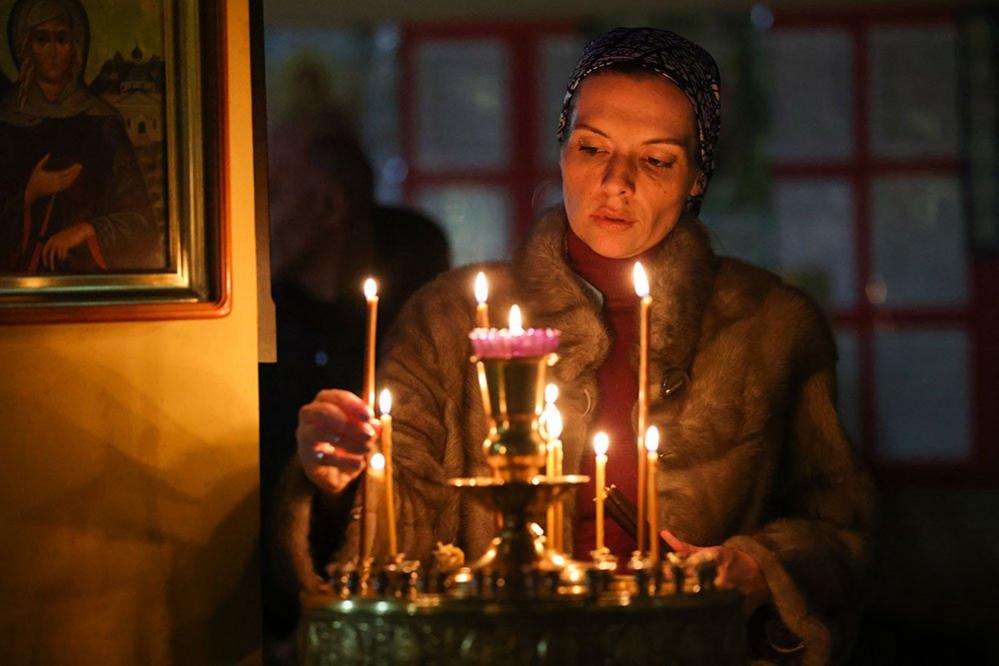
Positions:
(697, 630)
(518, 561)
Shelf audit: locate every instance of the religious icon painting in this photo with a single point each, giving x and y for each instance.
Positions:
(110, 136)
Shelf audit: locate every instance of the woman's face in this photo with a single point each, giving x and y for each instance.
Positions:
(52, 51)
(628, 163)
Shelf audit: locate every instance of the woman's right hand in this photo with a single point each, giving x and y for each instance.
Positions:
(336, 431)
(42, 182)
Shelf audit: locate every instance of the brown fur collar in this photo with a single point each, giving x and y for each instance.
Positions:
(681, 281)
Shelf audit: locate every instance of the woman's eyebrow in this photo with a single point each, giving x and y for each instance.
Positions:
(667, 140)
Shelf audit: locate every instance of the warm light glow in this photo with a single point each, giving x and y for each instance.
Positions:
(652, 439)
(516, 320)
(551, 394)
(553, 422)
(385, 402)
(481, 288)
(377, 462)
(370, 289)
(601, 442)
(641, 281)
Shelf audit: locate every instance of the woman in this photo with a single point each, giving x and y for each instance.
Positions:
(755, 464)
(72, 198)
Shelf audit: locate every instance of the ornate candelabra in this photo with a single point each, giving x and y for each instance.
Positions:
(512, 369)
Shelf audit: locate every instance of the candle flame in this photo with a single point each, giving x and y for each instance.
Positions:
(516, 320)
(551, 394)
(601, 443)
(370, 289)
(481, 288)
(385, 402)
(641, 281)
(553, 422)
(377, 462)
(652, 439)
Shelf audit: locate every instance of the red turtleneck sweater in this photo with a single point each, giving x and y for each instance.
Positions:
(617, 383)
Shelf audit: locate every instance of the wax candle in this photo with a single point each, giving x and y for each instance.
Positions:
(481, 296)
(372, 485)
(553, 425)
(385, 406)
(652, 449)
(645, 303)
(551, 395)
(371, 294)
(600, 445)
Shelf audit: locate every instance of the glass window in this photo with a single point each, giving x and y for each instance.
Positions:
(474, 217)
(816, 234)
(913, 92)
(558, 57)
(919, 242)
(811, 94)
(462, 119)
(923, 396)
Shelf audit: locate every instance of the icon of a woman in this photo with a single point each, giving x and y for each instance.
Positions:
(72, 197)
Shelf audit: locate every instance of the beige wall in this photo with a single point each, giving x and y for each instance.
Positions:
(128, 469)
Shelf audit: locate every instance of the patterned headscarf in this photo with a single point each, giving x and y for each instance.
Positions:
(680, 60)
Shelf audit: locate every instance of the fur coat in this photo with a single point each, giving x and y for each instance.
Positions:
(753, 455)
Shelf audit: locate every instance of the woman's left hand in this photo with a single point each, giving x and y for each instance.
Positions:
(58, 246)
(736, 570)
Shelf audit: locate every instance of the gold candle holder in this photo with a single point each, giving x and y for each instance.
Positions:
(514, 448)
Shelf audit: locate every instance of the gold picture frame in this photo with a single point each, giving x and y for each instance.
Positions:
(184, 268)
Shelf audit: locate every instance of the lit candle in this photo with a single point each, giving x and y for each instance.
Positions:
(652, 448)
(385, 406)
(642, 290)
(377, 465)
(371, 294)
(551, 395)
(516, 321)
(600, 445)
(375, 468)
(553, 426)
(481, 296)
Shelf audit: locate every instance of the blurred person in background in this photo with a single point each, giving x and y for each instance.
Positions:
(327, 235)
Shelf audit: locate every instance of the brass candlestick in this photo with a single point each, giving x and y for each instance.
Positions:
(513, 396)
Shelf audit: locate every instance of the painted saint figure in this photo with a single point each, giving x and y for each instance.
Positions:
(72, 197)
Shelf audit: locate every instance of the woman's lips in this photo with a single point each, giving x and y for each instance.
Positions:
(611, 219)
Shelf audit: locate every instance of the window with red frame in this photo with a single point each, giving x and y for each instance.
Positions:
(869, 202)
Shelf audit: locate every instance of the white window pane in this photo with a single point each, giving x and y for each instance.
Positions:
(920, 257)
(462, 89)
(848, 383)
(475, 219)
(816, 233)
(923, 394)
(913, 91)
(558, 57)
(811, 94)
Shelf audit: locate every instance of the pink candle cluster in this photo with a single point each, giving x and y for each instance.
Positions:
(504, 343)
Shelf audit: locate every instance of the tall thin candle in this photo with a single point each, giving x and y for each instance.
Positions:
(600, 445)
(385, 406)
(481, 298)
(551, 395)
(553, 425)
(642, 290)
(371, 294)
(652, 448)
(372, 484)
